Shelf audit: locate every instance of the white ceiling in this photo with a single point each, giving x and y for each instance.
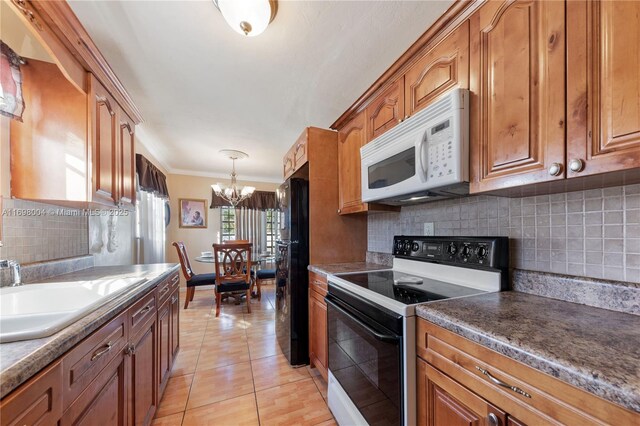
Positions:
(202, 87)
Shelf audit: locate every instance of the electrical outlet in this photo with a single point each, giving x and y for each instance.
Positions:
(428, 229)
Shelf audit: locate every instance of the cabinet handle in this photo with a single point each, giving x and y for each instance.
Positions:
(576, 165)
(164, 290)
(130, 349)
(555, 169)
(144, 310)
(97, 354)
(175, 279)
(174, 299)
(503, 384)
(493, 420)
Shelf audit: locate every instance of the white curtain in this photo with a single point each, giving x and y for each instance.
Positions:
(150, 229)
(251, 225)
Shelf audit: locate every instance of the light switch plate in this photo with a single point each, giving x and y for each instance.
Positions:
(428, 229)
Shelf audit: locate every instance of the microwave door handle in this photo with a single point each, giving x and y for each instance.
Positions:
(423, 142)
(389, 338)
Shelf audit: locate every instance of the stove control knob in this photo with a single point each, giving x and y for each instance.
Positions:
(481, 252)
(398, 245)
(466, 251)
(452, 249)
(415, 247)
(407, 246)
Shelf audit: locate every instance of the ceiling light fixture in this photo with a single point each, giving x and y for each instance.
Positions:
(248, 17)
(233, 194)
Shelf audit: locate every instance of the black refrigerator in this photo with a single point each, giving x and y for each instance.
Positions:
(292, 277)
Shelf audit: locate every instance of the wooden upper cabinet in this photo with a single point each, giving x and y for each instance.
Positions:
(386, 111)
(603, 90)
(517, 80)
(127, 156)
(441, 68)
(104, 135)
(350, 138)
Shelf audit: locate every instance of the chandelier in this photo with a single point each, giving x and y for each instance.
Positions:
(232, 194)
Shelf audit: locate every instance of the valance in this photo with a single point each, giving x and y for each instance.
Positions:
(260, 200)
(150, 178)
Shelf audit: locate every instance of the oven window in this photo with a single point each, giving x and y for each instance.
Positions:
(368, 369)
(393, 170)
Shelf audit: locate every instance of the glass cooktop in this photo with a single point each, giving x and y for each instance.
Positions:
(406, 288)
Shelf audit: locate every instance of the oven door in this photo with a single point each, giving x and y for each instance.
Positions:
(365, 358)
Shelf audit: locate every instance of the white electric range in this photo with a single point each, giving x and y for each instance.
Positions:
(371, 321)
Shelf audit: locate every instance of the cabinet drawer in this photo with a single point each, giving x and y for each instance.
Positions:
(141, 312)
(37, 402)
(547, 399)
(318, 283)
(83, 363)
(165, 288)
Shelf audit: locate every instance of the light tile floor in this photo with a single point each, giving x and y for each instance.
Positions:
(230, 371)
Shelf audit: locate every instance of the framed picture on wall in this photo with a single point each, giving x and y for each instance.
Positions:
(193, 213)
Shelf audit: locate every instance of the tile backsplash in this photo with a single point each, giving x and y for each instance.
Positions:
(593, 233)
(50, 232)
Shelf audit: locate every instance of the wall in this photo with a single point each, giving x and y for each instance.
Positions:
(198, 239)
(594, 233)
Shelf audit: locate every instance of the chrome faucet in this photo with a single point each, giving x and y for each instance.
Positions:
(16, 278)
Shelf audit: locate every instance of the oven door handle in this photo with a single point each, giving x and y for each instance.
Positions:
(390, 338)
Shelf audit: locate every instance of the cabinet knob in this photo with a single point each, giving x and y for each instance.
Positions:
(339, 210)
(399, 120)
(405, 117)
(493, 420)
(576, 165)
(555, 169)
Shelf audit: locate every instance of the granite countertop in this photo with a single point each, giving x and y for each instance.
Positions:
(341, 268)
(19, 361)
(593, 349)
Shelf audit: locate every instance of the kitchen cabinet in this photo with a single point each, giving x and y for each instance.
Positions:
(351, 138)
(457, 383)
(39, 401)
(168, 332)
(443, 67)
(318, 340)
(603, 58)
(296, 157)
(111, 377)
(386, 111)
(75, 144)
(126, 156)
(517, 76)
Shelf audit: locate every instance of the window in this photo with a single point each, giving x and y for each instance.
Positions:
(227, 223)
(272, 231)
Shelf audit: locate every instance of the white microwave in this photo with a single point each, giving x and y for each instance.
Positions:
(424, 158)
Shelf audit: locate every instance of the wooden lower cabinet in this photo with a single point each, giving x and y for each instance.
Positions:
(37, 402)
(318, 341)
(104, 401)
(115, 376)
(457, 385)
(143, 377)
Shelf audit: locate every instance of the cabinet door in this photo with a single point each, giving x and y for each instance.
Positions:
(126, 156)
(386, 111)
(175, 325)
(441, 68)
(300, 150)
(318, 341)
(288, 164)
(164, 344)
(350, 138)
(518, 85)
(603, 39)
(104, 135)
(104, 401)
(37, 402)
(143, 385)
(444, 402)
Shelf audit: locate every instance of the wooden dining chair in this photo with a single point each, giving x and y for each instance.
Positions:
(193, 280)
(233, 263)
(264, 275)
